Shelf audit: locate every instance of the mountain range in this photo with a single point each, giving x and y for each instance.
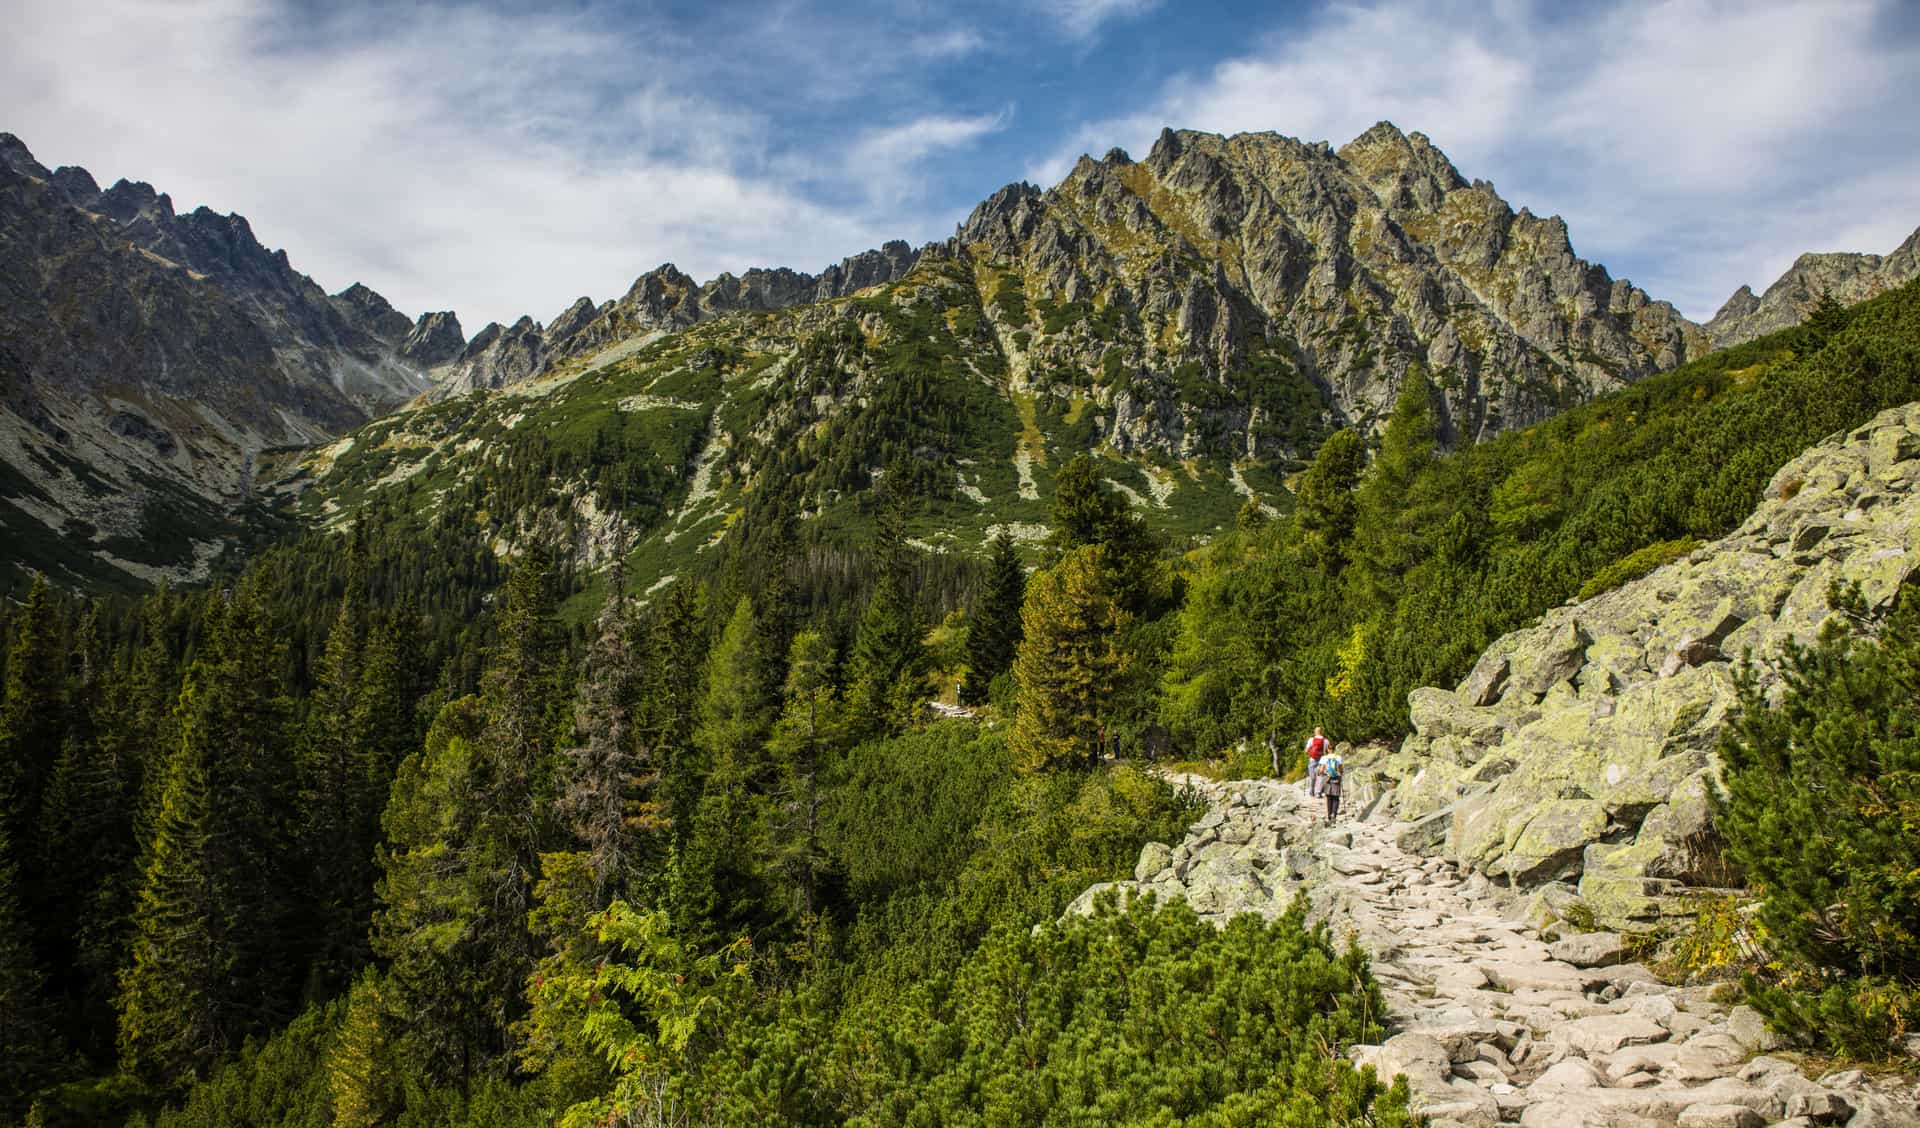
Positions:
(1198, 319)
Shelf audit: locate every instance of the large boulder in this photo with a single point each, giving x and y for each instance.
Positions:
(1582, 747)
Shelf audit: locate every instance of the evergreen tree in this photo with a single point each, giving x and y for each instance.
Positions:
(173, 996)
(436, 1001)
(807, 735)
(1394, 501)
(722, 858)
(1326, 509)
(209, 931)
(889, 655)
(609, 786)
(1085, 513)
(669, 706)
(1822, 797)
(26, 1037)
(1070, 662)
(993, 630)
(340, 792)
(33, 718)
(512, 769)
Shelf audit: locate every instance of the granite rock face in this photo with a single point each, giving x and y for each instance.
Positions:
(1581, 749)
(148, 358)
(1850, 278)
(1242, 293)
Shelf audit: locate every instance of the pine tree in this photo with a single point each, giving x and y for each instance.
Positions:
(340, 792)
(1822, 794)
(993, 630)
(1070, 662)
(889, 653)
(209, 931)
(1326, 508)
(808, 734)
(609, 786)
(26, 1037)
(721, 857)
(436, 1000)
(174, 996)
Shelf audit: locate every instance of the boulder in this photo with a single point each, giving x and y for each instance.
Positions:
(1720, 1116)
(1750, 1030)
(1154, 857)
(1605, 1033)
(1590, 949)
(1555, 837)
(1487, 681)
(1569, 1074)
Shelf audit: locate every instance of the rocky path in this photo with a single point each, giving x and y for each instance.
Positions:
(1491, 1019)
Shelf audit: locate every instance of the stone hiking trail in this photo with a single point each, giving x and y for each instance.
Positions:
(1491, 1019)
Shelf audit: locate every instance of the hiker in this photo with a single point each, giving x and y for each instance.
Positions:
(1330, 770)
(1316, 748)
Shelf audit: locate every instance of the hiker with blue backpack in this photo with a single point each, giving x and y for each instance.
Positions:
(1330, 771)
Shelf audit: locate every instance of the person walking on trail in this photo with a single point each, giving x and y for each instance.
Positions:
(1331, 771)
(1317, 748)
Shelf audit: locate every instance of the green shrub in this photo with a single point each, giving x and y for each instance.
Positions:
(1822, 795)
(1636, 564)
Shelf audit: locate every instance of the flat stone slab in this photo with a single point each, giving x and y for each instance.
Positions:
(1605, 1033)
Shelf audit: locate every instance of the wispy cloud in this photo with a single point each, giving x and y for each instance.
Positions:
(1696, 145)
(457, 156)
(885, 159)
(1083, 19)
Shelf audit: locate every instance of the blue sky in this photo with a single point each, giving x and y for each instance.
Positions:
(506, 159)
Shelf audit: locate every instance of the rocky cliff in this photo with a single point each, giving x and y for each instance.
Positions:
(1577, 756)
(147, 357)
(1850, 278)
(661, 301)
(1219, 283)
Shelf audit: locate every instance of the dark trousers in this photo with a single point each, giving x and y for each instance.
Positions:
(1333, 800)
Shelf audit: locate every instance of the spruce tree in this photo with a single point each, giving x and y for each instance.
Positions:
(669, 707)
(1070, 662)
(1326, 508)
(33, 718)
(993, 630)
(805, 739)
(889, 654)
(1393, 507)
(210, 943)
(721, 863)
(609, 786)
(436, 1000)
(27, 1038)
(339, 802)
(513, 768)
(175, 997)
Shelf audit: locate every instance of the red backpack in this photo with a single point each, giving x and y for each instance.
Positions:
(1317, 747)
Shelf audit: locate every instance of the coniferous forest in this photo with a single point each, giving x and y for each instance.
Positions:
(376, 831)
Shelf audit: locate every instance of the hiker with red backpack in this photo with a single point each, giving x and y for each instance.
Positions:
(1317, 748)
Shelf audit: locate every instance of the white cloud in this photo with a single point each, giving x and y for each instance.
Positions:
(446, 157)
(1082, 19)
(1692, 144)
(950, 43)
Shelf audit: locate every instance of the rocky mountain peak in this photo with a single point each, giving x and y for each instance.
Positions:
(1849, 277)
(372, 313)
(436, 339)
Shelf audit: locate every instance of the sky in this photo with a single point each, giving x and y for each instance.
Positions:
(501, 159)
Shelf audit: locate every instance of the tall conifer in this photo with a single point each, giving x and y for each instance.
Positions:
(993, 631)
